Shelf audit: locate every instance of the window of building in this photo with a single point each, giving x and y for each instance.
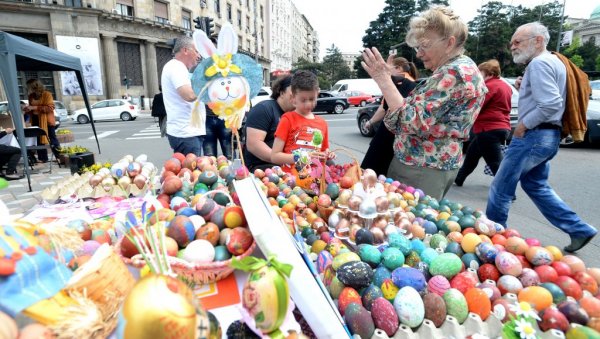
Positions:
(130, 64)
(186, 19)
(218, 7)
(249, 4)
(124, 7)
(248, 24)
(73, 3)
(261, 13)
(239, 17)
(250, 48)
(229, 13)
(240, 46)
(161, 12)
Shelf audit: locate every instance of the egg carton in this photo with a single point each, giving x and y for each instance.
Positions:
(451, 329)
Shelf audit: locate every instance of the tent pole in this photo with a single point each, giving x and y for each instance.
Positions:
(87, 106)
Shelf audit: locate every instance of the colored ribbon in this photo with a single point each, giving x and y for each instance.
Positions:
(250, 263)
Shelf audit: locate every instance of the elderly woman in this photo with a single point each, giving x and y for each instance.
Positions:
(433, 121)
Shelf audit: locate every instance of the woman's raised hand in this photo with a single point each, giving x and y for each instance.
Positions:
(375, 65)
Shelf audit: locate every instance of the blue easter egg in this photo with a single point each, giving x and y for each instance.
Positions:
(408, 276)
(417, 245)
(380, 274)
(428, 255)
(430, 227)
(471, 260)
(400, 242)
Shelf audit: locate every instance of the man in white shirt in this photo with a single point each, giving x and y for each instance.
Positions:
(179, 97)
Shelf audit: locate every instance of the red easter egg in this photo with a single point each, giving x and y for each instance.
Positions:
(575, 263)
(478, 302)
(172, 185)
(552, 318)
(326, 236)
(561, 268)
(586, 281)
(546, 273)
(488, 272)
(498, 239)
(464, 281)
(511, 232)
(348, 296)
(569, 286)
(173, 165)
(190, 161)
(234, 216)
(524, 262)
(165, 175)
(179, 156)
(239, 241)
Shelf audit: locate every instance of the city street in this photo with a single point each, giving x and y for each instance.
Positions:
(574, 172)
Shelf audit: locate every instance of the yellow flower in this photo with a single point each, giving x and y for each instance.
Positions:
(222, 65)
(524, 309)
(525, 329)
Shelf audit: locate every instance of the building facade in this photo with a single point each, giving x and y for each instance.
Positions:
(123, 44)
(587, 29)
(350, 59)
(292, 37)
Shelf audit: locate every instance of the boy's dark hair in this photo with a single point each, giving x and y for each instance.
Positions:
(280, 85)
(304, 81)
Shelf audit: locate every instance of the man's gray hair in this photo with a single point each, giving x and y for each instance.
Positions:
(537, 29)
(182, 42)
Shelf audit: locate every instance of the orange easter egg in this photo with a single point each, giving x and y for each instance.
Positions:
(538, 297)
(516, 245)
(591, 305)
(478, 302)
(574, 262)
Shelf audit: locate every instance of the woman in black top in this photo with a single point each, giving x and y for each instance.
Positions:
(381, 150)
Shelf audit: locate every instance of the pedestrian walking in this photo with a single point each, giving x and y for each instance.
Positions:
(535, 141)
(158, 111)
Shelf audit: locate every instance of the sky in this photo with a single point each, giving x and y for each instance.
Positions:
(344, 22)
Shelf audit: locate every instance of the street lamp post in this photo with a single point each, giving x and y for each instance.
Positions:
(562, 19)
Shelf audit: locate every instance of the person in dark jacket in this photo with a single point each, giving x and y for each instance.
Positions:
(158, 111)
(492, 126)
(9, 156)
(381, 149)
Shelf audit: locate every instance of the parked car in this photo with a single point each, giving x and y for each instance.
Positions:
(263, 94)
(58, 114)
(327, 102)
(357, 98)
(592, 136)
(60, 110)
(595, 89)
(365, 114)
(107, 110)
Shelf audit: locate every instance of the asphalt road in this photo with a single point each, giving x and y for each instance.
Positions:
(574, 175)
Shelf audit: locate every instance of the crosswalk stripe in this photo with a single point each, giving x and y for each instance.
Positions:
(103, 134)
(152, 137)
(145, 134)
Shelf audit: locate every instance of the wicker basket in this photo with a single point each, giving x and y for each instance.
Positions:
(323, 182)
(65, 138)
(197, 273)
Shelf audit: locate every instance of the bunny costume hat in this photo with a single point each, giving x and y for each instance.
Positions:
(225, 80)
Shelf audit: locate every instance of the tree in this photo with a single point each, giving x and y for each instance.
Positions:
(577, 60)
(334, 67)
(589, 52)
(423, 5)
(304, 64)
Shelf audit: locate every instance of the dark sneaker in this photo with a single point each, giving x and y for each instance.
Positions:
(13, 176)
(578, 243)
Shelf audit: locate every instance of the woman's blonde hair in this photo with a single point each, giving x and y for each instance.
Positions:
(35, 87)
(490, 67)
(440, 19)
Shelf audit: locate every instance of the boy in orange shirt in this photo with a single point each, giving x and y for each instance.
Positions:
(300, 134)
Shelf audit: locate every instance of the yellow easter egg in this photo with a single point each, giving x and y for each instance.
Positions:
(469, 242)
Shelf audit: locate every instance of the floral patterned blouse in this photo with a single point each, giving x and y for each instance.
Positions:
(437, 116)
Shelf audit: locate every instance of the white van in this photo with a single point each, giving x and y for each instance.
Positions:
(368, 86)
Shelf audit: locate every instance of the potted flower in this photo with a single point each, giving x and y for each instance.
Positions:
(65, 136)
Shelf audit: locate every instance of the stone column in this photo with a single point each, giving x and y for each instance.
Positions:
(111, 66)
(152, 79)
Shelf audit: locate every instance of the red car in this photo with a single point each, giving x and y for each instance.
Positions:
(357, 98)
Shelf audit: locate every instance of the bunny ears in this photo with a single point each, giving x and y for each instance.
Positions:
(223, 61)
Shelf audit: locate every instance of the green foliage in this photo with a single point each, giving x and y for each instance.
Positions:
(598, 63)
(577, 60)
(334, 67)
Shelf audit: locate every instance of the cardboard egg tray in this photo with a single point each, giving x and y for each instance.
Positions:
(491, 328)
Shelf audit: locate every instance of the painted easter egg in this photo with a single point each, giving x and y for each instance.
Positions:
(380, 274)
(369, 254)
(359, 321)
(591, 305)
(586, 281)
(348, 296)
(445, 264)
(369, 295)
(546, 273)
(516, 245)
(502, 310)
(538, 297)
(356, 274)
(456, 304)
(464, 281)
(363, 236)
(561, 268)
(400, 242)
(569, 286)
(594, 272)
(209, 232)
(508, 263)
(182, 230)
(573, 312)
(486, 252)
(488, 272)
(344, 258)
(529, 277)
(335, 288)
(324, 259)
(438, 284)
(552, 318)
(478, 302)
(428, 255)
(389, 289)
(470, 260)
(509, 284)
(239, 240)
(470, 242)
(392, 258)
(408, 276)
(435, 308)
(539, 256)
(490, 288)
(409, 307)
(438, 241)
(558, 295)
(199, 251)
(221, 253)
(384, 316)
(582, 332)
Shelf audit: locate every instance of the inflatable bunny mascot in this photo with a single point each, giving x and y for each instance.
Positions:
(225, 80)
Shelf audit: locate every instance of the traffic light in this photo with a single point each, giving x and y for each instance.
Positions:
(209, 26)
(198, 22)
